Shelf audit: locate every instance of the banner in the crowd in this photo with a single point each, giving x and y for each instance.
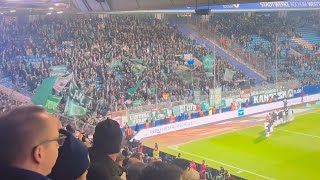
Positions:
(44, 91)
(52, 103)
(263, 97)
(138, 118)
(134, 89)
(215, 97)
(177, 110)
(197, 97)
(58, 70)
(74, 109)
(228, 74)
(62, 81)
(208, 62)
(77, 95)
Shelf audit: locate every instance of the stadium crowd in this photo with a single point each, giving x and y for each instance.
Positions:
(254, 36)
(38, 147)
(7, 102)
(108, 56)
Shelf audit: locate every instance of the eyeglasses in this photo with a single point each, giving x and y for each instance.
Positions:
(60, 140)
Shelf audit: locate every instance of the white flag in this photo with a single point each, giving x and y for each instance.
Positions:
(228, 74)
(62, 81)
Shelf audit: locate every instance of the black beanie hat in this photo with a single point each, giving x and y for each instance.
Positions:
(107, 137)
(73, 159)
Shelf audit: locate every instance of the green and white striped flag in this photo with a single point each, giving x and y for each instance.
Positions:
(74, 109)
(77, 95)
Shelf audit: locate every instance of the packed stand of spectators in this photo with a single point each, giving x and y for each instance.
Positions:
(103, 54)
(274, 31)
(7, 102)
(37, 147)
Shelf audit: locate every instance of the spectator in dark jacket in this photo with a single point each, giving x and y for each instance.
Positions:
(104, 152)
(29, 143)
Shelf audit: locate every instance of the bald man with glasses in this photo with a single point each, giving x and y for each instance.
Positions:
(29, 138)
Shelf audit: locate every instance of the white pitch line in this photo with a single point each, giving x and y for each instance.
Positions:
(303, 134)
(224, 164)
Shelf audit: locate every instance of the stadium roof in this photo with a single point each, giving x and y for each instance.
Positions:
(122, 5)
(157, 6)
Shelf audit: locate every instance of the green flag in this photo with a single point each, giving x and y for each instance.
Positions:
(208, 62)
(77, 95)
(44, 91)
(52, 103)
(134, 89)
(74, 109)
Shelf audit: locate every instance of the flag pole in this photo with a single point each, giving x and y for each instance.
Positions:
(214, 75)
(276, 64)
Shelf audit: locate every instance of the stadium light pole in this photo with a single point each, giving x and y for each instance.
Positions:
(214, 66)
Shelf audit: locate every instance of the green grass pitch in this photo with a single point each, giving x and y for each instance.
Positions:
(292, 152)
